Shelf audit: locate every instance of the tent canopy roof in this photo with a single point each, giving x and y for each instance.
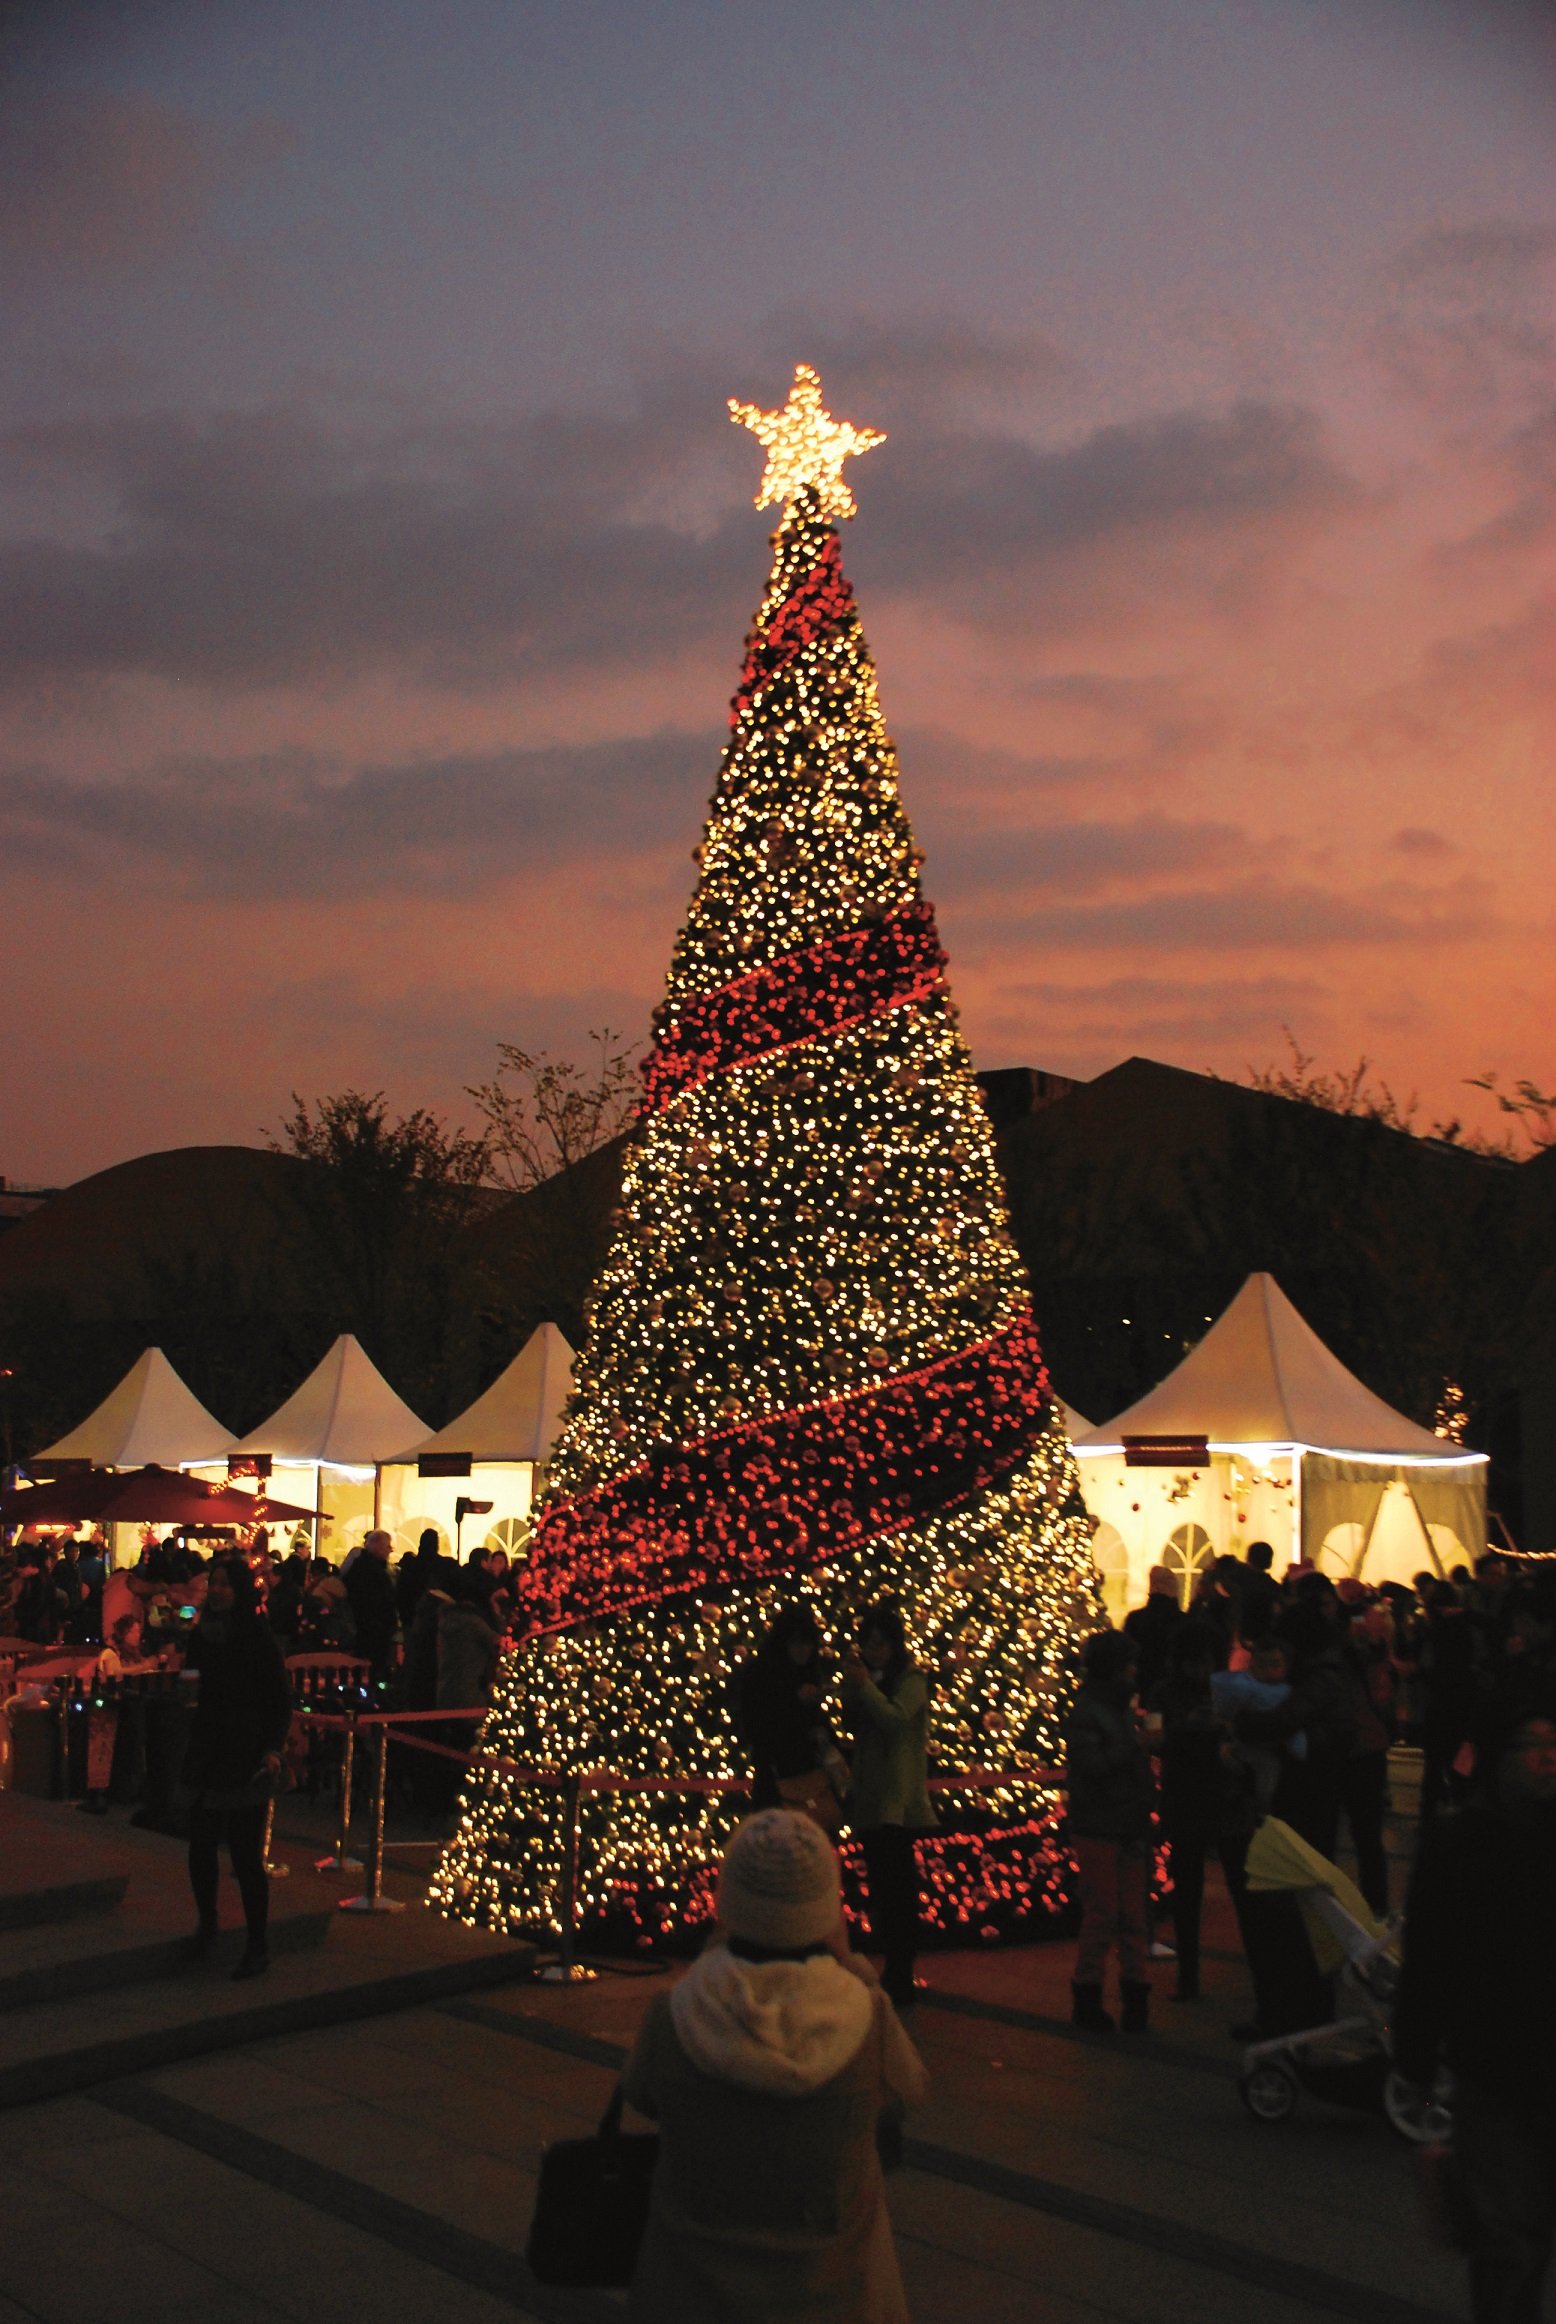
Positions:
(1262, 1376)
(345, 1413)
(150, 1418)
(518, 1417)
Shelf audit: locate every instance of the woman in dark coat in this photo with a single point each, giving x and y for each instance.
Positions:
(1192, 1786)
(1112, 1798)
(414, 1576)
(778, 1716)
(233, 1760)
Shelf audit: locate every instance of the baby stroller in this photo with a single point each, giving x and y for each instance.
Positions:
(1347, 2061)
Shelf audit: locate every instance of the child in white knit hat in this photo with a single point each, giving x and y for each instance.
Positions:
(767, 2069)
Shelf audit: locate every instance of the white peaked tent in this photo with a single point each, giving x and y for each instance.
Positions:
(150, 1417)
(1296, 1452)
(344, 1415)
(326, 1441)
(491, 1451)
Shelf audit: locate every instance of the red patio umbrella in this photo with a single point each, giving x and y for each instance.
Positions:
(149, 1496)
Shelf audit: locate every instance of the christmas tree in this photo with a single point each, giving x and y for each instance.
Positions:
(810, 1368)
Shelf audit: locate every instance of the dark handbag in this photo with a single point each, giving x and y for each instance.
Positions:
(591, 2205)
(890, 2134)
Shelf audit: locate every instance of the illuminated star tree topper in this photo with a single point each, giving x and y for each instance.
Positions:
(805, 445)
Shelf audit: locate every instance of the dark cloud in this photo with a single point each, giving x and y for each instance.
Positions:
(1079, 858)
(916, 370)
(275, 547)
(1415, 839)
(1469, 337)
(1527, 518)
(287, 824)
(1465, 328)
(1129, 1012)
(283, 824)
(255, 548)
(100, 183)
(1258, 914)
(1147, 729)
(1493, 678)
(1001, 529)
(956, 768)
(1488, 256)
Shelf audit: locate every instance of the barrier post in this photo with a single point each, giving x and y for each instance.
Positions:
(62, 1742)
(567, 1969)
(273, 1870)
(340, 1858)
(373, 1898)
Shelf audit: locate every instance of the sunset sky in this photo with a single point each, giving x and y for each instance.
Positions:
(375, 548)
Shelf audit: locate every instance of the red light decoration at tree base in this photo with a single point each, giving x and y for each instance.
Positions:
(982, 1881)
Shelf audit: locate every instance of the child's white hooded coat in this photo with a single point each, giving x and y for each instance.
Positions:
(767, 2080)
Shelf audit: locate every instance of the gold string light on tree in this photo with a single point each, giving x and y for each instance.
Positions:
(810, 1368)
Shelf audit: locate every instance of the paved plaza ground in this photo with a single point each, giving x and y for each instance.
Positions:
(385, 2166)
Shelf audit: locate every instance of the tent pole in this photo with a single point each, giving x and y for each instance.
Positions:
(378, 1491)
(318, 1508)
(1297, 1459)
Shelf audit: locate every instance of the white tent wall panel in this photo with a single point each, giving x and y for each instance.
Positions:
(344, 1498)
(1184, 1518)
(408, 1502)
(404, 1502)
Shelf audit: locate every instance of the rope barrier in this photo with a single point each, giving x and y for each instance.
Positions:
(696, 1786)
(573, 1785)
(425, 1743)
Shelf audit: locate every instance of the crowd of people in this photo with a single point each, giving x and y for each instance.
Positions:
(429, 1631)
(429, 1627)
(1279, 1698)
(1284, 1700)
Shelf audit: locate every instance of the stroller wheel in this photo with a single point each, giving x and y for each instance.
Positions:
(1268, 2090)
(1422, 2116)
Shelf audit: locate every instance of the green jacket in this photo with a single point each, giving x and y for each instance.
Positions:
(888, 1783)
